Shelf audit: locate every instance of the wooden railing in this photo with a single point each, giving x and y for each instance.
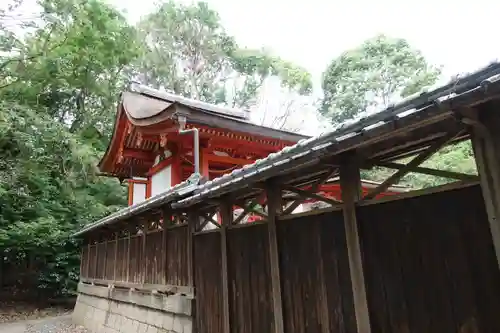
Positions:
(157, 258)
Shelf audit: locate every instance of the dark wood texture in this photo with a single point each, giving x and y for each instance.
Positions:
(207, 277)
(140, 259)
(250, 299)
(428, 261)
(316, 286)
(177, 251)
(430, 264)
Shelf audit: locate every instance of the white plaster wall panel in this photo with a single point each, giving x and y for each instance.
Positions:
(161, 181)
(139, 194)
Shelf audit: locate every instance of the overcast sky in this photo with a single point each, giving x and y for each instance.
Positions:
(460, 35)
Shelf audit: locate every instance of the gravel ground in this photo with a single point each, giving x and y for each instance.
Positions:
(60, 324)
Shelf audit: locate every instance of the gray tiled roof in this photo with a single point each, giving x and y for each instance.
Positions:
(410, 105)
(173, 193)
(189, 193)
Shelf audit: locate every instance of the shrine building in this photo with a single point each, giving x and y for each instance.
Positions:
(160, 140)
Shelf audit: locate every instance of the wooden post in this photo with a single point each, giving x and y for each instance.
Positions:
(226, 212)
(105, 258)
(116, 257)
(350, 183)
(193, 220)
(128, 259)
(486, 145)
(166, 221)
(204, 163)
(144, 255)
(273, 191)
(87, 269)
(95, 259)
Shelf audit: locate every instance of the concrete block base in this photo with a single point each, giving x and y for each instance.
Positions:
(108, 310)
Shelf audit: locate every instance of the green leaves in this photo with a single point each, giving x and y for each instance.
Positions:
(59, 82)
(372, 76)
(189, 52)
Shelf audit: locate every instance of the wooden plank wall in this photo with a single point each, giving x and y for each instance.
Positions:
(250, 302)
(430, 264)
(152, 258)
(315, 278)
(316, 285)
(208, 282)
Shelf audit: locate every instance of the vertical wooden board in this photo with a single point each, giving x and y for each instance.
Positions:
(121, 264)
(92, 261)
(153, 258)
(207, 276)
(158, 273)
(481, 258)
(110, 260)
(135, 259)
(177, 244)
(430, 264)
(412, 262)
(337, 278)
(101, 260)
(84, 261)
(249, 273)
(462, 295)
(300, 262)
(373, 254)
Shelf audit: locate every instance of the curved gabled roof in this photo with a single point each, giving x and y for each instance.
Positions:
(142, 106)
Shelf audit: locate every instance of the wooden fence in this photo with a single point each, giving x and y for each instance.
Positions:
(316, 287)
(155, 258)
(429, 264)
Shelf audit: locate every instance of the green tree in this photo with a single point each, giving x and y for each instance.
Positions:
(372, 76)
(188, 52)
(59, 81)
(72, 62)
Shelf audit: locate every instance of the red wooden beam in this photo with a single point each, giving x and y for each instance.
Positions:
(138, 154)
(228, 159)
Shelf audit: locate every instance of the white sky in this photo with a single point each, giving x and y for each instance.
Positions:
(460, 35)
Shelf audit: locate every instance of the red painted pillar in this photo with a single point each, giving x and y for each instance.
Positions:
(176, 170)
(204, 163)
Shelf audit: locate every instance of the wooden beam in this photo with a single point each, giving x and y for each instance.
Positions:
(246, 210)
(226, 211)
(350, 182)
(228, 159)
(408, 167)
(138, 153)
(311, 195)
(208, 218)
(249, 209)
(273, 191)
(429, 171)
(166, 288)
(486, 145)
(313, 189)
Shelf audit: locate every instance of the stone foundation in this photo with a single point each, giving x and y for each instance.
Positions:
(112, 310)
